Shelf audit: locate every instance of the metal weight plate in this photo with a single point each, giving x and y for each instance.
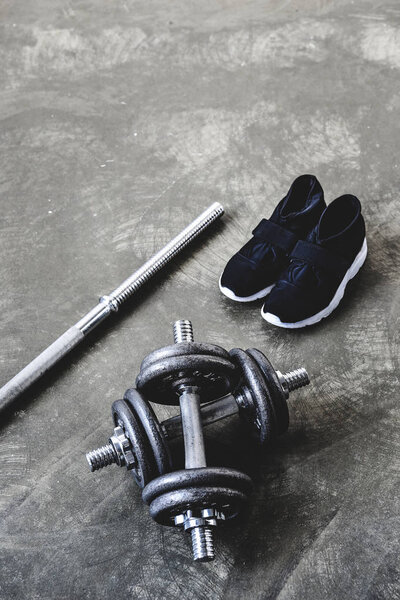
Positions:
(145, 469)
(260, 416)
(201, 477)
(277, 394)
(152, 429)
(229, 501)
(180, 349)
(214, 375)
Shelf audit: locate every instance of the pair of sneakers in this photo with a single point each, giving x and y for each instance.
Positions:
(301, 259)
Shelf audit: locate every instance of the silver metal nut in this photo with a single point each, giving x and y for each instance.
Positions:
(192, 522)
(123, 449)
(206, 517)
(283, 383)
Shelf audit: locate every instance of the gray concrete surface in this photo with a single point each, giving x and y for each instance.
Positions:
(120, 121)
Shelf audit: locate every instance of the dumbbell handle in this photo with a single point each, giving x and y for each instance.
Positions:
(191, 426)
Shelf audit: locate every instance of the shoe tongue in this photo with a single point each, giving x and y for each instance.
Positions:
(298, 221)
(294, 222)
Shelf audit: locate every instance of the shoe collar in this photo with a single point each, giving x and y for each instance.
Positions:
(338, 217)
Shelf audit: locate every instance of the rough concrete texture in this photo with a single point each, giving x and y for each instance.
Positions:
(120, 122)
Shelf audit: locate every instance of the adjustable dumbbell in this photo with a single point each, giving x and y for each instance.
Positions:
(196, 497)
(140, 441)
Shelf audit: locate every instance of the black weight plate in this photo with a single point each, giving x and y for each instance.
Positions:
(151, 426)
(145, 469)
(183, 348)
(165, 507)
(214, 376)
(279, 402)
(261, 421)
(201, 477)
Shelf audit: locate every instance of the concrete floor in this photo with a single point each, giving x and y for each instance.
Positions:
(121, 121)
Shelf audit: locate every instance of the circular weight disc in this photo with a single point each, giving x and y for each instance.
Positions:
(145, 469)
(180, 349)
(277, 394)
(214, 375)
(261, 421)
(151, 426)
(201, 477)
(164, 508)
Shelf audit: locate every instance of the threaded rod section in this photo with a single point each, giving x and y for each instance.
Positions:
(102, 457)
(296, 379)
(202, 544)
(159, 260)
(183, 331)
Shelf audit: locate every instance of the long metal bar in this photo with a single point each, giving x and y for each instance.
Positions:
(107, 305)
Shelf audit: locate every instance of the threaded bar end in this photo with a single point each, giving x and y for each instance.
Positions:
(101, 457)
(183, 331)
(166, 254)
(296, 379)
(202, 544)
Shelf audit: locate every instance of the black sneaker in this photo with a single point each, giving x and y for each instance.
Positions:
(320, 268)
(252, 272)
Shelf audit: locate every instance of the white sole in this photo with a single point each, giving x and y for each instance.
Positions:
(261, 294)
(353, 270)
